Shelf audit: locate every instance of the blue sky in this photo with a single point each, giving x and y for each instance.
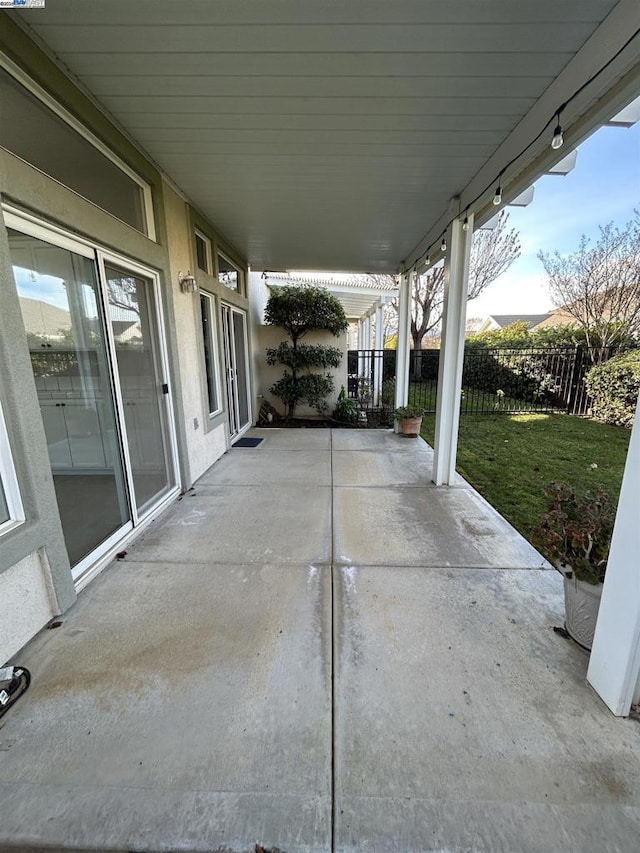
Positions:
(604, 187)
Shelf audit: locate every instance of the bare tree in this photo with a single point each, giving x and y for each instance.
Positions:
(599, 285)
(492, 253)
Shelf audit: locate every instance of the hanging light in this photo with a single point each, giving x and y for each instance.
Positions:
(443, 245)
(465, 223)
(497, 199)
(558, 138)
(427, 260)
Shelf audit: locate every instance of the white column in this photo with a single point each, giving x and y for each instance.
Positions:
(366, 365)
(378, 345)
(404, 335)
(614, 666)
(456, 281)
(361, 346)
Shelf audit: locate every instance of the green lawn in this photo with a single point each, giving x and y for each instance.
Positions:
(510, 458)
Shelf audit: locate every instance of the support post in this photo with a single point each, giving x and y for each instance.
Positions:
(404, 334)
(614, 665)
(456, 282)
(378, 346)
(361, 346)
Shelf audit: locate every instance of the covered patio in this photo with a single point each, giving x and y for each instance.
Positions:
(316, 649)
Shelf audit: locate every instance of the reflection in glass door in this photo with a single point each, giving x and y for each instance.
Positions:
(61, 309)
(133, 316)
(234, 333)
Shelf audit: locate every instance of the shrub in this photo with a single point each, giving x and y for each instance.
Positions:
(613, 387)
(346, 410)
(576, 530)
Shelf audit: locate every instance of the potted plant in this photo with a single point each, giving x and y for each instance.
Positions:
(410, 420)
(346, 410)
(575, 535)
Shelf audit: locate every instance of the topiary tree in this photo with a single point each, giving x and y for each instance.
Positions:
(300, 310)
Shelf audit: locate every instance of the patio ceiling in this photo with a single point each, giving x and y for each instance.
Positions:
(333, 135)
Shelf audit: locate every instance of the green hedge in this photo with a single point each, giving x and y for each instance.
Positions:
(614, 388)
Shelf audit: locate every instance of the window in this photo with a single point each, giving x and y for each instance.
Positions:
(209, 343)
(43, 134)
(203, 252)
(229, 274)
(11, 511)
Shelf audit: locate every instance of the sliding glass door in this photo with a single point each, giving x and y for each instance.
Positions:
(133, 317)
(62, 313)
(94, 330)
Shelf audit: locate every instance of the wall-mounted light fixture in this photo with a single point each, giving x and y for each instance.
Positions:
(188, 283)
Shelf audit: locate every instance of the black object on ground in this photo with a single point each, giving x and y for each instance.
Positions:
(248, 442)
(14, 681)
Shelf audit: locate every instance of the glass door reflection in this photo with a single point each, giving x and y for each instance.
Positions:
(61, 309)
(133, 316)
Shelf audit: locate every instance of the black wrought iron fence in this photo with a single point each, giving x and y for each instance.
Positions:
(496, 379)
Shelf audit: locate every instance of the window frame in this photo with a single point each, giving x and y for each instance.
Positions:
(198, 235)
(9, 480)
(213, 350)
(49, 101)
(240, 290)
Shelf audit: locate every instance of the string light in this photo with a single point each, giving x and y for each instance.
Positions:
(443, 245)
(465, 224)
(558, 138)
(427, 260)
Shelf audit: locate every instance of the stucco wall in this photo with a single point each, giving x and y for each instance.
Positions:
(206, 439)
(28, 602)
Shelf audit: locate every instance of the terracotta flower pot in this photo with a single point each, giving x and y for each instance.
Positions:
(410, 427)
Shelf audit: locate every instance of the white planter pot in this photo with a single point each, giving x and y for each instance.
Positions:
(581, 603)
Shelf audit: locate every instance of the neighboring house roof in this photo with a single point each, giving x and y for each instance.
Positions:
(532, 320)
(557, 317)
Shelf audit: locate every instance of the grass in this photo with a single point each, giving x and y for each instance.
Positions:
(510, 458)
(473, 400)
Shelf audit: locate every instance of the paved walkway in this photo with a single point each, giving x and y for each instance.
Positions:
(318, 650)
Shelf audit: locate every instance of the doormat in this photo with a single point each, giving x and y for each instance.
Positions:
(248, 442)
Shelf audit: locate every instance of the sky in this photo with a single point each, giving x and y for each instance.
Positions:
(603, 187)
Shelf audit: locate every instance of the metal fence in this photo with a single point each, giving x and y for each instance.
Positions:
(496, 379)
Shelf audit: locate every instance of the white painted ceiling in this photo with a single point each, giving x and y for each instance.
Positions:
(319, 135)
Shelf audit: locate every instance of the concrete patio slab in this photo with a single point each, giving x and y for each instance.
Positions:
(190, 704)
(404, 526)
(463, 722)
(241, 524)
(380, 468)
(373, 439)
(225, 684)
(240, 467)
(291, 439)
